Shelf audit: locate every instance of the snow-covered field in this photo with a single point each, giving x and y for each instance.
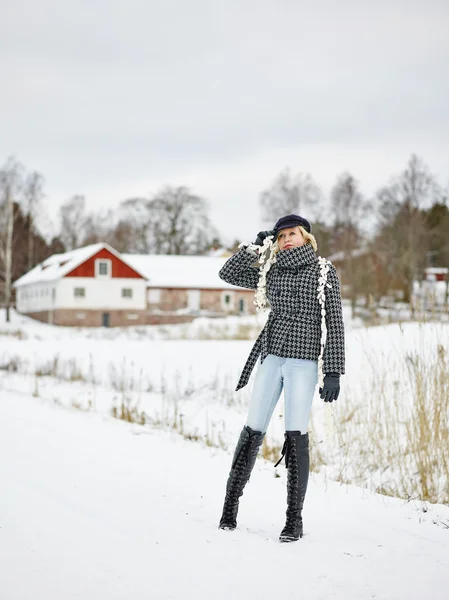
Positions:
(95, 508)
(388, 431)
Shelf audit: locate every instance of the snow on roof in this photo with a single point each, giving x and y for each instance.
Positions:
(162, 271)
(337, 256)
(58, 265)
(173, 271)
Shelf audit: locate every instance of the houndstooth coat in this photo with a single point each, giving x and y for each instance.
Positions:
(293, 328)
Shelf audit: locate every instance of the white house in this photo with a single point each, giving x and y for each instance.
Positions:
(432, 292)
(96, 285)
(88, 286)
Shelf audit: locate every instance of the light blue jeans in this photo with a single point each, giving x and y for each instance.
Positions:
(298, 377)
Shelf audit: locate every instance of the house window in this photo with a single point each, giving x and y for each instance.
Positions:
(103, 267)
(132, 317)
(242, 306)
(154, 296)
(127, 293)
(80, 292)
(80, 315)
(227, 300)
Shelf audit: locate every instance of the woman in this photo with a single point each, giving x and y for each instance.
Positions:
(302, 341)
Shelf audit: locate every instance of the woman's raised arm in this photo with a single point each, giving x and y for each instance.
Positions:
(238, 270)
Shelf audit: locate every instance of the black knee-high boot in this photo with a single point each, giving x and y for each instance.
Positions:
(296, 451)
(242, 464)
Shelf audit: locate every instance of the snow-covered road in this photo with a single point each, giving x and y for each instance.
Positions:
(97, 509)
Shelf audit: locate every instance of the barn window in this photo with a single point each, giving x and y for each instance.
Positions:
(103, 267)
(80, 292)
(227, 300)
(127, 293)
(132, 317)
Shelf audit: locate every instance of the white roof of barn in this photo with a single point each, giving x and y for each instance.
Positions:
(437, 270)
(173, 271)
(58, 265)
(337, 256)
(161, 271)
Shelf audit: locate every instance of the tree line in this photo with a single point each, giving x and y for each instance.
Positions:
(381, 242)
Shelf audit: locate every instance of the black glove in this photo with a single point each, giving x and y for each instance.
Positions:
(261, 237)
(331, 387)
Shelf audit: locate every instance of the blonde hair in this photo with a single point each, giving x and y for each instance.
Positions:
(308, 238)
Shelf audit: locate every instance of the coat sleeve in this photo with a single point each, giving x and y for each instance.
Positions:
(237, 270)
(334, 350)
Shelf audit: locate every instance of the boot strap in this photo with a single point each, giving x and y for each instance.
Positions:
(284, 452)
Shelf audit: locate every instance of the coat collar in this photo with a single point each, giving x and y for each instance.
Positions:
(296, 257)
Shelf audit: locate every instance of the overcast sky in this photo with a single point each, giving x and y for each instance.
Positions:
(115, 98)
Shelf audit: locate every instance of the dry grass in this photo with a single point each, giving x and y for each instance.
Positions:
(392, 434)
(396, 439)
(18, 334)
(11, 364)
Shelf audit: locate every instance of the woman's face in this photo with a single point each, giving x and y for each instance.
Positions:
(290, 238)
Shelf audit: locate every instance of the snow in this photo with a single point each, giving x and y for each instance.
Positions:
(92, 507)
(58, 265)
(182, 377)
(96, 508)
(24, 327)
(191, 272)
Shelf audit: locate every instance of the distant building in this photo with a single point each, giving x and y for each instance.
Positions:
(96, 285)
(433, 290)
(190, 286)
(436, 274)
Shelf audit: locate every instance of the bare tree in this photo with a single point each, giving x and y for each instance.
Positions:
(349, 208)
(179, 222)
(10, 190)
(173, 221)
(437, 227)
(133, 231)
(99, 227)
(290, 194)
(73, 222)
(33, 194)
(402, 229)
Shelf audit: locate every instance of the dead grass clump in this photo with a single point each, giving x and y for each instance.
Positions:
(397, 439)
(11, 364)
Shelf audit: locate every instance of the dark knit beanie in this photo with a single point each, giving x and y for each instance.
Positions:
(291, 221)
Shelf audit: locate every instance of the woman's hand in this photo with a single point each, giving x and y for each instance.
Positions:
(261, 237)
(331, 387)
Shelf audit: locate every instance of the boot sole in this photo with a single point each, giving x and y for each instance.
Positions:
(286, 540)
